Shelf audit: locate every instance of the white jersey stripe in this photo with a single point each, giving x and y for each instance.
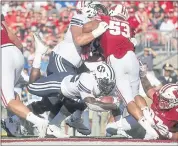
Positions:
(57, 64)
(47, 83)
(62, 64)
(43, 89)
(44, 86)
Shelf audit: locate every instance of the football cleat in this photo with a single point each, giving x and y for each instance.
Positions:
(56, 131)
(42, 128)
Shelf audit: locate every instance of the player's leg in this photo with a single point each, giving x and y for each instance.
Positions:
(75, 120)
(124, 71)
(40, 50)
(9, 76)
(145, 119)
(126, 127)
(124, 89)
(47, 86)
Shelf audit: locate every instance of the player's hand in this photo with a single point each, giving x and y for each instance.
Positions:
(102, 27)
(164, 131)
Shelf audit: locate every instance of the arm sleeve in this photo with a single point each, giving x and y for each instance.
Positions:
(85, 86)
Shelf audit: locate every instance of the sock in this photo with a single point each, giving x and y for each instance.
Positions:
(58, 119)
(148, 114)
(77, 114)
(37, 60)
(33, 118)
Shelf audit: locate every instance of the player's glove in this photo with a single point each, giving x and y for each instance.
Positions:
(102, 27)
(164, 131)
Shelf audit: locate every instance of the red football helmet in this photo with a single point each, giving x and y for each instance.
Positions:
(168, 96)
(119, 10)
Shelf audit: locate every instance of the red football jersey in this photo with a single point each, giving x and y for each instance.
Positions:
(167, 117)
(4, 36)
(116, 39)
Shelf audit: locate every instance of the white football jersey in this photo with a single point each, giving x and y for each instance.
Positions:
(67, 48)
(80, 86)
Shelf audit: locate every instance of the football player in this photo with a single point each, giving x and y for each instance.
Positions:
(65, 58)
(12, 65)
(164, 112)
(69, 86)
(118, 50)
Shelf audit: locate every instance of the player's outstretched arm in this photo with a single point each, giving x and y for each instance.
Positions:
(147, 87)
(81, 38)
(90, 26)
(13, 37)
(99, 106)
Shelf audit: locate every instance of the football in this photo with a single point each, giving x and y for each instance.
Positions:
(106, 99)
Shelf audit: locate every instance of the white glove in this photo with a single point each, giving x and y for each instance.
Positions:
(164, 131)
(134, 41)
(102, 27)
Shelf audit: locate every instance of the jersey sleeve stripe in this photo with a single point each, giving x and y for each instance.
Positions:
(75, 19)
(83, 88)
(76, 22)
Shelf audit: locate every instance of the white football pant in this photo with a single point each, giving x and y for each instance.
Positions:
(12, 65)
(127, 75)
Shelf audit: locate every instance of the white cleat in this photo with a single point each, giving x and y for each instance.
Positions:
(150, 137)
(114, 130)
(151, 133)
(40, 47)
(56, 132)
(78, 124)
(42, 128)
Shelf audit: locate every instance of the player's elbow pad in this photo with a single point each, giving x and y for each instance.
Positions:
(96, 108)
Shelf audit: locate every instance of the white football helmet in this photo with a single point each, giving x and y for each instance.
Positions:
(105, 76)
(89, 8)
(119, 10)
(168, 96)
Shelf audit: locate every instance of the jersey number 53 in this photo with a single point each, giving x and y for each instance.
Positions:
(115, 28)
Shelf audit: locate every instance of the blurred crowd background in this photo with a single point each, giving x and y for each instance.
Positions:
(156, 26)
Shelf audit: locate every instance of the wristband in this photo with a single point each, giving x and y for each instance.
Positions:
(96, 33)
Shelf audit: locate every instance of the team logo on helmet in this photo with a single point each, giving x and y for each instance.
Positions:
(101, 68)
(105, 78)
(168, 96)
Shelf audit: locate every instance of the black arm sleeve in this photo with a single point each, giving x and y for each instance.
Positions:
(2, 17)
